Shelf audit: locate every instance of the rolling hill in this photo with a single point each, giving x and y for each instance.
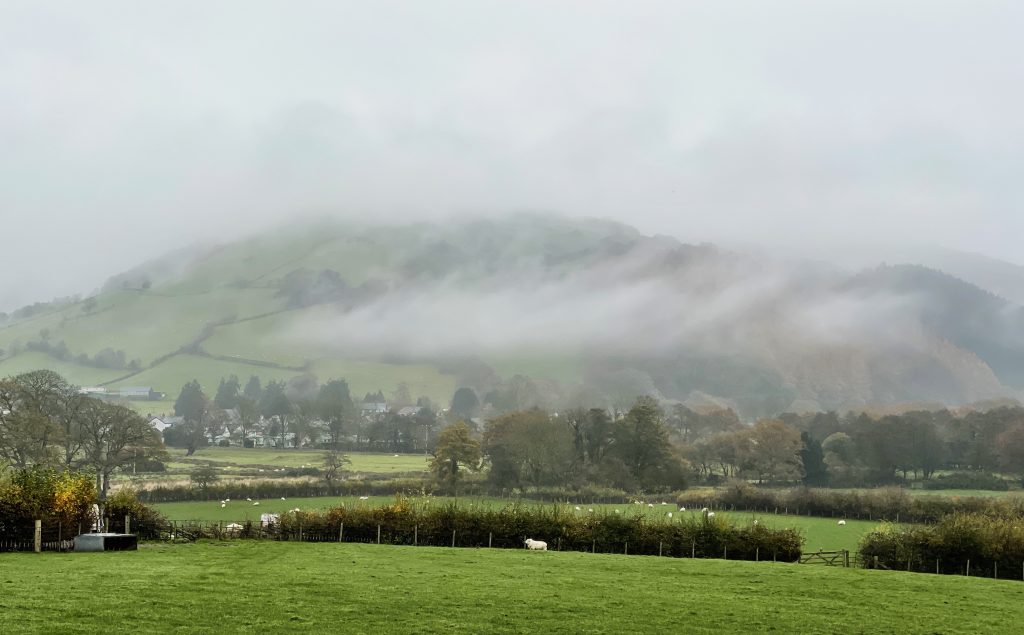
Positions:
(530, 310)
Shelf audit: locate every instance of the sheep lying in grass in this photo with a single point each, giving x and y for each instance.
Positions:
(842, 522)
(535, 545)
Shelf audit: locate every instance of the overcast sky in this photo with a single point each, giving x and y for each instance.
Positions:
(130, 128)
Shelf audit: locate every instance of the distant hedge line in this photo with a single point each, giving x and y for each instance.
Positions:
(446, 524)
(960, 544)
(888, 503)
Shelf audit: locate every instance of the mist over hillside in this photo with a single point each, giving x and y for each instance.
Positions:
(538, 310)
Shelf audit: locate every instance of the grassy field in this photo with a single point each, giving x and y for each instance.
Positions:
(248, 586)
(820, 533)
(267, 457)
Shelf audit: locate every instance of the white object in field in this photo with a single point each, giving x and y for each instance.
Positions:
(535, 545)
(842, 522)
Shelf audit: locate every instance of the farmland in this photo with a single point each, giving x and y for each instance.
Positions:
(303, 587)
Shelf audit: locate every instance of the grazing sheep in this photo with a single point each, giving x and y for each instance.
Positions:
(704, 511)
(842, 522)
(233, 528)
(249, 499)
(282, 498)
(535, 545)
(670, 514)
(682, 509)
(651, 505)
(364, 498)
(711, 514)
(578, 508)
(396, 456)
(590, 510)
(616, 511)
(256, 503)
(227, 500)
(664, 503)
(222, 505)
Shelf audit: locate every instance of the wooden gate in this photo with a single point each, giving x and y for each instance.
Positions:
(829, 558)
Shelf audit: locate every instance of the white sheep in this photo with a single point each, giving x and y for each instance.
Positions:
(535, 545)
(711, 514)
(842, 522)
(682, 509)
(755, 522)
(282, 498)
(256, 503)
(249, 499)
(227, 500)
(704, 510)
(651, 505)
(670, 514)
(664, 503)
(590, 510)
(577, 508)
(363, 498)
(222, 505)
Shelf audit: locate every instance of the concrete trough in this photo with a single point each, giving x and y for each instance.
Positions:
(107, 542)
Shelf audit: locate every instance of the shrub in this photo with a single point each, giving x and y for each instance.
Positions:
(62, 500)
(145, 521)
(988, 543)
(968, 480)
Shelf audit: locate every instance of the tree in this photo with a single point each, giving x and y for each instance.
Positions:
(253, 390)
(191, 402)
(334, 405)
(335, 464)
(642, 444)
(839, 455)
(227, 393)
(773, 451)
(527, 448)
(248, 418)
(28, 432)
(813, 459)
(114, 436)
(274, 405)
(204, 476)
(464, 403)
(592, 436)
(456, 449)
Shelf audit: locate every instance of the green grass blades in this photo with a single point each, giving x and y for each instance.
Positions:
(249, 586)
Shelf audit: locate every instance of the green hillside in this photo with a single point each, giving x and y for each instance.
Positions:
(530, 310)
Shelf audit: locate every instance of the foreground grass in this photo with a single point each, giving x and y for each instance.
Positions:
(820, 533)
(301, 587)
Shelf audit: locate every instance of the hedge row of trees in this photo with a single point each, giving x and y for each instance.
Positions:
(436, 524)
(959, 544)
(45, 421)
(302, 407)
(58, 498)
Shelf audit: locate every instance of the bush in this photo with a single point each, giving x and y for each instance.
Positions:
(62, 500)
(145, 521)
(968, 480)
(988, 543)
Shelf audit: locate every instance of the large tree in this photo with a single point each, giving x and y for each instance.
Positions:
(114, 436)
(456, 452)
(642, 444)
(334, 405)
(527, 448)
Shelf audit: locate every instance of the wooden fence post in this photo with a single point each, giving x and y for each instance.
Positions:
(341, 532)
(757, 554)
(626, 552)
(38, 537)
(693, 548)
(127, 524)
(968, 566)
(453, 538)
(490, 535)
(659, 548)
(995, 574)
(378, 534)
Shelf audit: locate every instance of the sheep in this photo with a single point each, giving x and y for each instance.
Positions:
(535, 545)
(755, 522)
(256, 503)
(670, 514)
(842, 522)
(227, 500)
(651, 505)
(578, 508)
(222, 505)
(711, 514)
(363, 498)
(282, 498)
(704, 510)
(664, 503)
(249, 499)
(590, 510)
(682, 509)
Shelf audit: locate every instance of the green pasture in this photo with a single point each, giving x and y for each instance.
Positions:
(379, 463)
(279, 587)
(820, 533)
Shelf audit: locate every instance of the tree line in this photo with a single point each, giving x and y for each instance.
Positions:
(298, 412)
(47, 422)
